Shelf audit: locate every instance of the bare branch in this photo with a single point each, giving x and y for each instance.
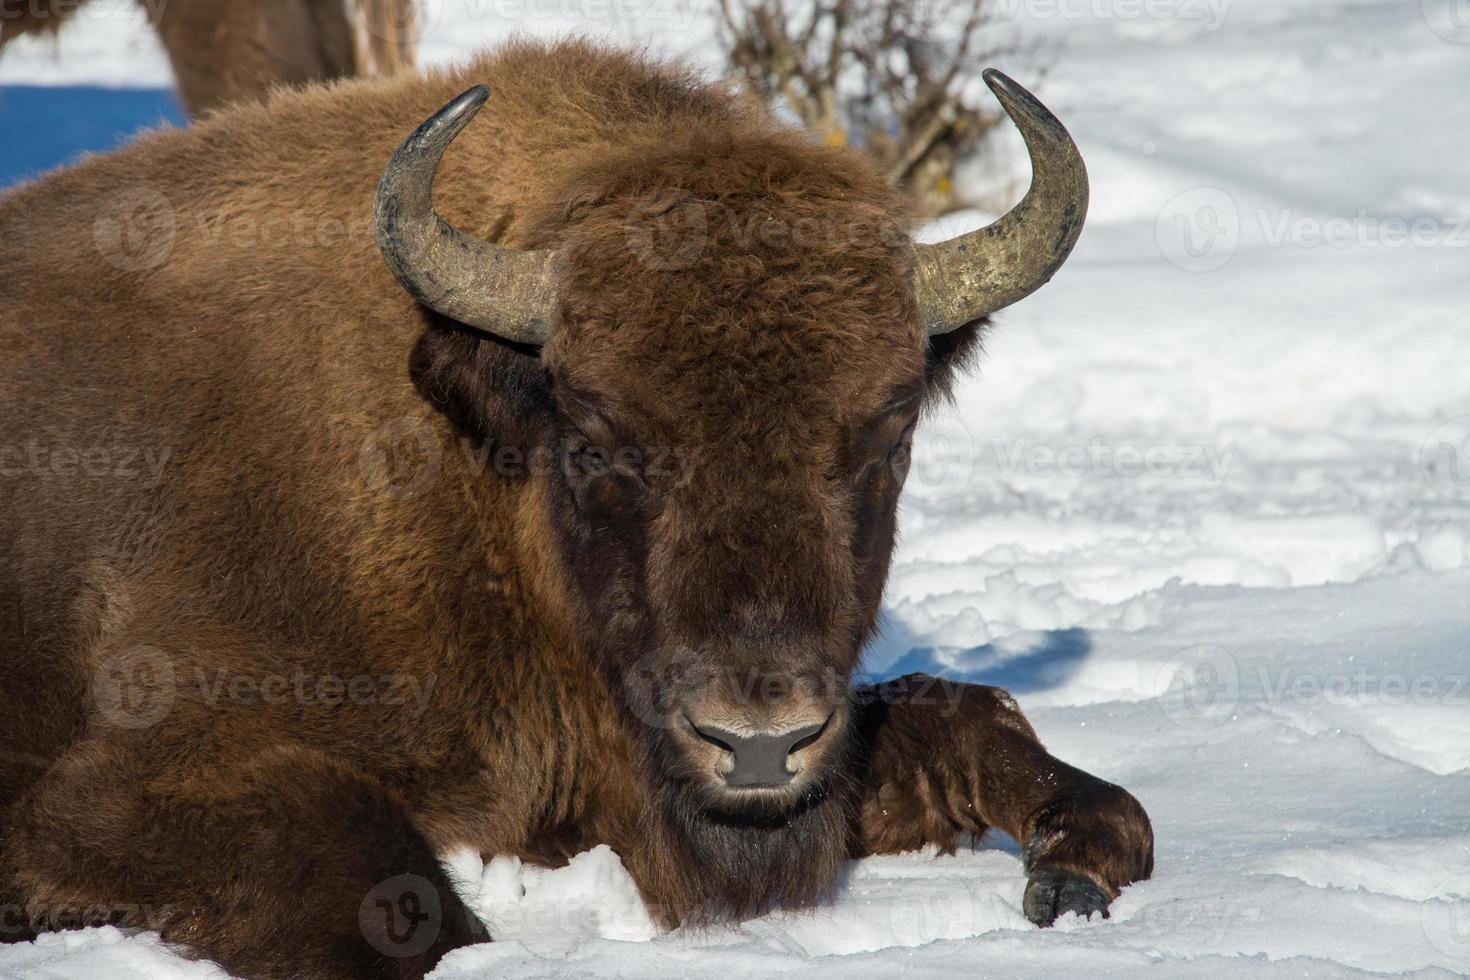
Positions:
(886, 75)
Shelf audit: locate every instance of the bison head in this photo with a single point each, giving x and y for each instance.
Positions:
(727, 340)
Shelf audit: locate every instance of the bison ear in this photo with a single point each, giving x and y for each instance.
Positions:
(952, 353)
(491, 390)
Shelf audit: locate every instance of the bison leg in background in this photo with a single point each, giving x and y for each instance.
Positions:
(941, 759)
(226, 50)
(278, 863)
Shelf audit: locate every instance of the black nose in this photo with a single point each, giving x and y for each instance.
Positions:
(759, 759)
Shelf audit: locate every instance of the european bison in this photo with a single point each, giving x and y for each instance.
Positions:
(224, 50)
(306, 579)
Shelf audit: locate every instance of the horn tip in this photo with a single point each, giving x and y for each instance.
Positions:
(470, 99)
(1004, 86)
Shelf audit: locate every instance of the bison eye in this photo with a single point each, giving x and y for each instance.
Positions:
(891, 468)
(901, 453)
(895, 462)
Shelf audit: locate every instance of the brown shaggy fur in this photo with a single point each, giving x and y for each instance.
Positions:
(736, 299)
(226, 50)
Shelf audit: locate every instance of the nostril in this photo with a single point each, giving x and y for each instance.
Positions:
(709, 737)
(810, 736)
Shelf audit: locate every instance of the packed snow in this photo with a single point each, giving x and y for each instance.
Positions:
(1205, 509)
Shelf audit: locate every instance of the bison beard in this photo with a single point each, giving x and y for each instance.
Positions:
(354, 489)
(726, 866)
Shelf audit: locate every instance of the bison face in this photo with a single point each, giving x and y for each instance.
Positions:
(728, 553)
(735, 420)
(727, 339)
(732, 417)
(729, 596)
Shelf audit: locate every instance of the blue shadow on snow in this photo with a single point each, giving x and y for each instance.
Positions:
(1025, 663)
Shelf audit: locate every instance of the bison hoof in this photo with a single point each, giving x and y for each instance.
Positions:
(1051, 893)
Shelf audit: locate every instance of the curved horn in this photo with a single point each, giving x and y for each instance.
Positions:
(503, 291)
(965, 278)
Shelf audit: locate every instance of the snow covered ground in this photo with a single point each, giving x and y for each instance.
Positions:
(1205, 510)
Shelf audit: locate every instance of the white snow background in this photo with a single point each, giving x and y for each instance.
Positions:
(1205, 509)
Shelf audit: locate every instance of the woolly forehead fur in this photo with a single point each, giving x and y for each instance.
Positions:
(718, 261)
(734, 285)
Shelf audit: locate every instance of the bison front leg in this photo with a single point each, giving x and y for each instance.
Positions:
(279, 864)
(940, 759)
(223, 52)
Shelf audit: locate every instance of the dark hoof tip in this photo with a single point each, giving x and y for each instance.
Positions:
(1050, 894)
